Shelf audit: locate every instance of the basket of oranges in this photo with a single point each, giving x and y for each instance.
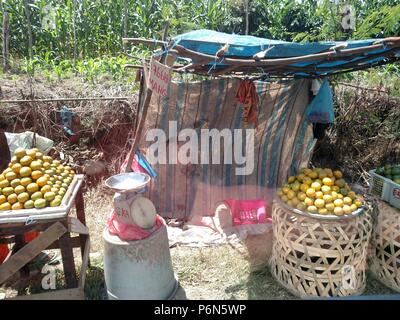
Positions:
(321, 233)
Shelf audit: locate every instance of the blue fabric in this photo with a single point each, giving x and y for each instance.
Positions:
(240, 46)
(66, 116)
(145, 164)
(320, 109)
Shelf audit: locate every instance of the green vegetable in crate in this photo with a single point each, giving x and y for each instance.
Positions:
(391, 172)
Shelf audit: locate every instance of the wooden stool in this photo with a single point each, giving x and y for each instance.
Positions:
(55, 225)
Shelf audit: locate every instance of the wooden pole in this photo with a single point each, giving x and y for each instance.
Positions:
(145, 108)
(144, 41)
(6, 40)
(29, 26)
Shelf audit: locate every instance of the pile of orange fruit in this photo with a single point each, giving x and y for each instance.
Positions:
(33, 180)
(320, 191)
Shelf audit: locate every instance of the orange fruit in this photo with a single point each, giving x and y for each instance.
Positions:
(15, 182)
(41, 181)
(312, 209)
(25, 181)
(316, 186)
(20, 152)
(7, 191)
(338, 174)
(49, 196)
(17, 206)
(29, 204)
(5, 206)
(319, 203)
(308, 202)
(26, 160)
(45, 189)
(32, 187)
(39, 155)
(2, 199)
(16, 167)
(4, 183)
(19, 189)
(12, 198)
(31, 153)
(36, 174)
(338, 211)
(330, 206)
(310, 192)
(36, 165)
(23, 197)
(11, 176)
(338, 203)
(25, 172)
(36, 195)
(327, 181)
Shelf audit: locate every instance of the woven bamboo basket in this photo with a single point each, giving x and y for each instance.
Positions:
(385, 261)
(316, 256)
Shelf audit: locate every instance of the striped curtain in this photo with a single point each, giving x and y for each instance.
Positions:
(283, 141)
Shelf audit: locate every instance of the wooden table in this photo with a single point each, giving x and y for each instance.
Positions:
(55, 225)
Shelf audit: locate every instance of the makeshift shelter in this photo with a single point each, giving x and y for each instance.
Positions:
(283, 128)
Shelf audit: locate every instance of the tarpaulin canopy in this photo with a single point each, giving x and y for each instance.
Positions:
(212, 52)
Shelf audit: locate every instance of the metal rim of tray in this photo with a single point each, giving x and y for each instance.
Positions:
(330, 217)
(31, 215)
(138, 187)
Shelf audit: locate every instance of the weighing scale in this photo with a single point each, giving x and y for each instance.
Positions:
(131, 207)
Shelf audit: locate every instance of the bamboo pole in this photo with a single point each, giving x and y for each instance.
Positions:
(6, 40)
(331, 55)
(144, 41)
(145, 108)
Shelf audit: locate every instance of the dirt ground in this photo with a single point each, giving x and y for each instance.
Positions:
(217, 273)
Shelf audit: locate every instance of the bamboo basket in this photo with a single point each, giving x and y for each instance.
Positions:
(385, 261)
(316, 256)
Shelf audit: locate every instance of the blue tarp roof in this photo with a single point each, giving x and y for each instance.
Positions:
(244, 47)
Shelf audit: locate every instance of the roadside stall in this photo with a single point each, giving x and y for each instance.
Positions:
(280, 91)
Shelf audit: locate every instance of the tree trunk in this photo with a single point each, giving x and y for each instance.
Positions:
(28, 23)
(125, 32)
(247, 16)
(6, 40)
(74, 31)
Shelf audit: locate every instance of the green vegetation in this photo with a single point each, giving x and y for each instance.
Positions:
(84, 37)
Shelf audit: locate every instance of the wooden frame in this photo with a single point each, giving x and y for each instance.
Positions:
(55, 234)
(276, 67)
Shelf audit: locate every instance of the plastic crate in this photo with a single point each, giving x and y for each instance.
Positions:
(384, 188)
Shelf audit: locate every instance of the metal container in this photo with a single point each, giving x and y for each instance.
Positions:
(139, 270)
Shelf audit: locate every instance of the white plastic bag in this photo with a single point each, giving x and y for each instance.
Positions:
(25, 140)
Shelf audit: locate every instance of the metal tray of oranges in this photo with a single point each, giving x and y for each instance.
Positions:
(30, 215)
(355, 213)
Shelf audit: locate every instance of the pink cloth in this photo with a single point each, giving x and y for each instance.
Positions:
(136, 167)
(129, 232)
(248, 211)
